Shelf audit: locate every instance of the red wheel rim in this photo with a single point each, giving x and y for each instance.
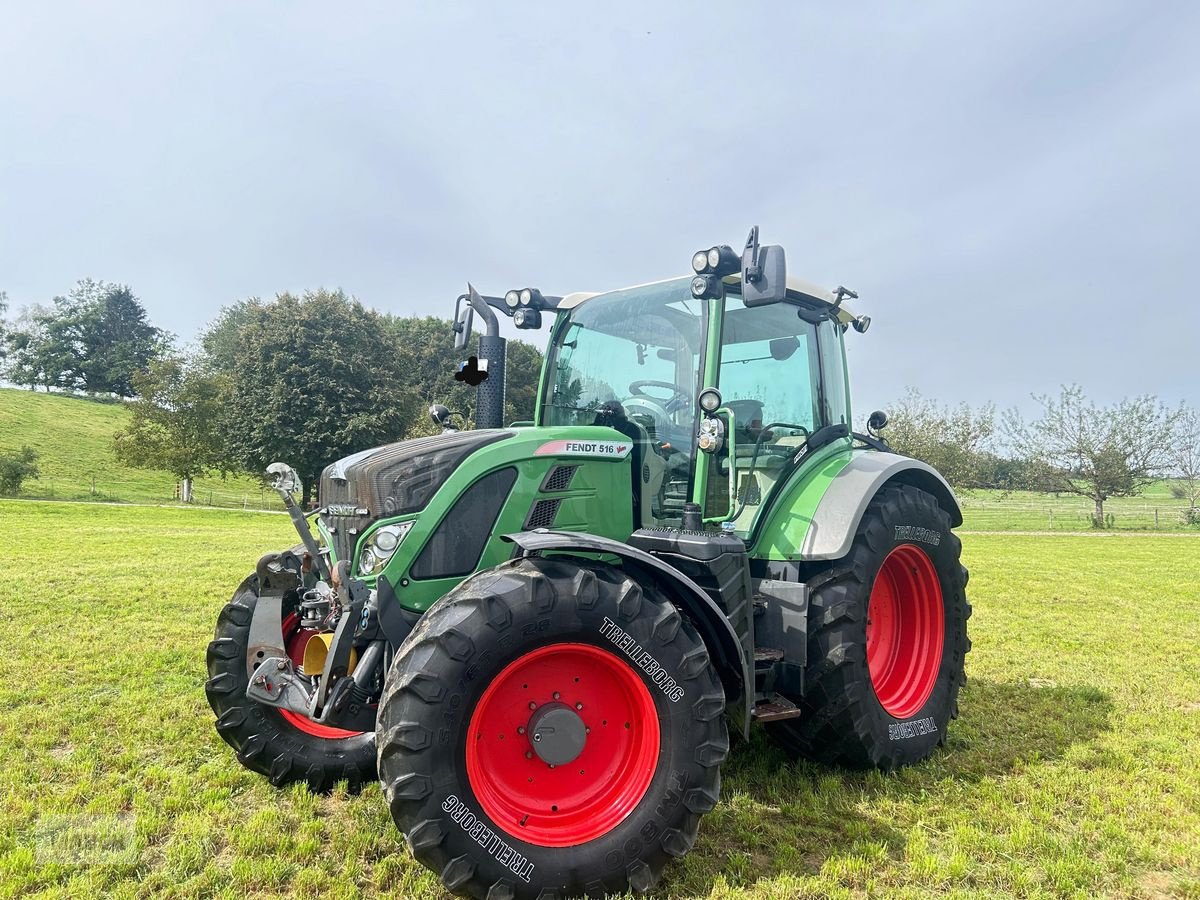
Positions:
(905, 630)
(295, 639)
(574, 802)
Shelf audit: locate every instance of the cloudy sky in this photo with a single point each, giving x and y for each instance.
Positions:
(1013, 188)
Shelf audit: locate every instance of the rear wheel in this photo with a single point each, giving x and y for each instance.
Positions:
(887, 640)
(281, 744)
(550, 729)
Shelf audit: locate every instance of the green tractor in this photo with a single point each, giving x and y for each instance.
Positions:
(539, 637)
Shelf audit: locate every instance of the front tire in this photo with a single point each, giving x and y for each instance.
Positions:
(283, 745)
(614, 679)
(887, 640)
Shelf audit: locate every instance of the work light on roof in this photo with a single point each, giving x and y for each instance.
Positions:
(707, 287)
(512, 298)
(720, 261)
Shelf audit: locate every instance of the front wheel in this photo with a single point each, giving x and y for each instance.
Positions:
(550, 729)
(887, 639)
(283, 745)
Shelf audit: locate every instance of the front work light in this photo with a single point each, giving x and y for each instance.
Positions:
(707, 287)
(710, 400)
(512, 298)
(527, 317)
(531, 297)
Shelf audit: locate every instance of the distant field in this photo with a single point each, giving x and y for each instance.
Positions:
(73, 437)
(1072, 772)
(1154, 510)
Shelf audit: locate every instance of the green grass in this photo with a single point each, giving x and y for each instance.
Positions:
(1073, 771)
(74, 437)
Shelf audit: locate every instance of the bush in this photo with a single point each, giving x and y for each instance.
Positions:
(15, 467)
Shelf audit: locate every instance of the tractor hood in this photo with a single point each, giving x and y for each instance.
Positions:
(392, 480)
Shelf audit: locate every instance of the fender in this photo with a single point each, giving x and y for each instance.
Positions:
(715, 630)
(841, 509)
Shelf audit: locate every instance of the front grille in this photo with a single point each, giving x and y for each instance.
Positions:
(542, 514)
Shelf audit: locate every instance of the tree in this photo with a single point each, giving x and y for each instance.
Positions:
(31, 360)
(115, 341)
(94, 339)
(1096, 452)
(1185, 462)
(952, 440)
(312, 379)
(174, 422)
(220, 339)
(15, 467)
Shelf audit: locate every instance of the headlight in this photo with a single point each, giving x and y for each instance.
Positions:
(379, 547)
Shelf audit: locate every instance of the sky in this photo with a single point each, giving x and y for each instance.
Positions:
(1013, 189)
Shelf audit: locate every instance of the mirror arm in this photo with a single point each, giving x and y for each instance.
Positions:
(485, 312)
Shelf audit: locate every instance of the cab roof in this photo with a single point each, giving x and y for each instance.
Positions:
(797, 288)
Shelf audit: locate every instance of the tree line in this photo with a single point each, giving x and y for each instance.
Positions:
(312, 377)
(301, 378)
(1072, 446)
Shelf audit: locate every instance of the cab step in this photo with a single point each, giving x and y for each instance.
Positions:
(766, 656)
(774, 708)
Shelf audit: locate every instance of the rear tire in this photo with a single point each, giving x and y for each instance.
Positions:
(282, 745)
(477, 798)
(887, 640)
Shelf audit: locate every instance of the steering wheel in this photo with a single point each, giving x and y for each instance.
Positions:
(677, 399)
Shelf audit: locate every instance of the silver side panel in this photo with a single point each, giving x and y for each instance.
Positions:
(841, 509)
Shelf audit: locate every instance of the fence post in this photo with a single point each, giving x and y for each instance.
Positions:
(1051, 519)
(1156, 517)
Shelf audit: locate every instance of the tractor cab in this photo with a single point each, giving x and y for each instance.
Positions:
(719, 394)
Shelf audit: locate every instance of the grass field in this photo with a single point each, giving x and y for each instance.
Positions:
(74, 437)
(1074, 770)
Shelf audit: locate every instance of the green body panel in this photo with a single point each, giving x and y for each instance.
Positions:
(781, 533)
(599, 502)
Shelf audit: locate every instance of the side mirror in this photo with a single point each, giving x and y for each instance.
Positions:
(764, 274)
(464, 318)
(440, 415)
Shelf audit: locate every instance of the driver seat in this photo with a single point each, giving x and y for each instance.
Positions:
(647, 469)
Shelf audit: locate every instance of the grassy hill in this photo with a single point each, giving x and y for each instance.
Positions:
(73, 437)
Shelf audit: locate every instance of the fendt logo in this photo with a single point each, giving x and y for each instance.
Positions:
(602, 449)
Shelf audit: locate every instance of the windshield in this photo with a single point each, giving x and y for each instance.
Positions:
(630, 359)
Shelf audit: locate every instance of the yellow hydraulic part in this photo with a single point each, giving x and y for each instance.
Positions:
(317, 649)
